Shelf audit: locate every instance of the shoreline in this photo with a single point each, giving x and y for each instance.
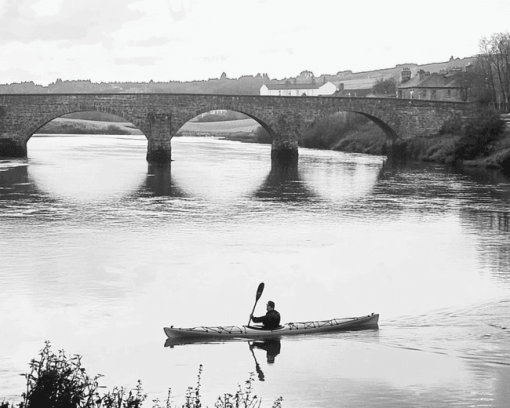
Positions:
(438, 148)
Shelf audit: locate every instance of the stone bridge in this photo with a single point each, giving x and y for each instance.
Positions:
(160, 116)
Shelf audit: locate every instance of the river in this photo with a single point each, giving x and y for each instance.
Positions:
(99, 251)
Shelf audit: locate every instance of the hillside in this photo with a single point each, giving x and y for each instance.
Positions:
(245, 85)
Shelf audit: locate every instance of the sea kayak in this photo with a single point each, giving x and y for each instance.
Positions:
(253, 332)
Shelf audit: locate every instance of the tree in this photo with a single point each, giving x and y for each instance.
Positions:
(386, 86)
(494, 60)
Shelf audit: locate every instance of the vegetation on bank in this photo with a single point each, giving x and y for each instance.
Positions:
(60, 381)
(386, 87)
(483, 141)
(347, 132)
(221, 116)
(89, 127)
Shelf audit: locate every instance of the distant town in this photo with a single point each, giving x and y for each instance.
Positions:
(428, 81)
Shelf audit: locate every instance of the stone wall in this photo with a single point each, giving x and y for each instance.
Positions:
(160, 116)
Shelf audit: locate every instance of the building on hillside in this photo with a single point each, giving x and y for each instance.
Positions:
(358, 88)
(298, 89)
(438, 86)
(355, 93)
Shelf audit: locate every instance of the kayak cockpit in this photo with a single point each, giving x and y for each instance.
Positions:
(262, 329)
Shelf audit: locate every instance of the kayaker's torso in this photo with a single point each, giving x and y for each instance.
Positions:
(270, 321)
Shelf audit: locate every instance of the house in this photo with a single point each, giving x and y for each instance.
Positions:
(298, 89)
(438, 86)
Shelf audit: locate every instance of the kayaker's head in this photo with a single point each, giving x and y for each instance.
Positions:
(270, 305)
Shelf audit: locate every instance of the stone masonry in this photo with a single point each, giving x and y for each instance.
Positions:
(160, 116)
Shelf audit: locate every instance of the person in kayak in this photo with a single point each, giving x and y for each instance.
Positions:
(271, 320)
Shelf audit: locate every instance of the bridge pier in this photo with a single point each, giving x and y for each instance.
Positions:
(12, 148)
(159, 148)
(284, 153)
(287, 127)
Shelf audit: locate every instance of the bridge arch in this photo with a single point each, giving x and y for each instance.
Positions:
(375, 117)
(41, 121)
(180, 122)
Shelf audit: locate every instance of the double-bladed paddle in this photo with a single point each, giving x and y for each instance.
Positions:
(260, 289)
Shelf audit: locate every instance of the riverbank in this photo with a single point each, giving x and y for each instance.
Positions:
(366, 138)
(243, 129)
(441, 149)
(90, 127)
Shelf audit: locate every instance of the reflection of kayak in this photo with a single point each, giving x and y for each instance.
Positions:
(226, 332)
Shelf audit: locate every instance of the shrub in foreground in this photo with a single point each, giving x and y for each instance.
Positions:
(59, 381)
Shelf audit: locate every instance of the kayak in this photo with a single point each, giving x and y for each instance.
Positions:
(202, 333)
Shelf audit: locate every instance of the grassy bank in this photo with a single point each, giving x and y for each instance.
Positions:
(79, 126)
(443, 149)
(345, 132)
(483, 142)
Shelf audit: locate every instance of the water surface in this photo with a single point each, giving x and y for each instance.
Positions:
(100, 251)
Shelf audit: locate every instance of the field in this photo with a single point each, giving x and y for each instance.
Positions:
(235, 128)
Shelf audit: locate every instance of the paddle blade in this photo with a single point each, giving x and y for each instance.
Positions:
(260, 289)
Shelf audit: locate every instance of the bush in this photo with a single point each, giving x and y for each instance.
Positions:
(59, 381)
(262, 136)
(451, 126)
(386, 86)
(220, 117)
(328, 131)
(479, 133)
(115, 130)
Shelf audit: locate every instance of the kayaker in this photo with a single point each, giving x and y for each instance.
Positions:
(271, 320)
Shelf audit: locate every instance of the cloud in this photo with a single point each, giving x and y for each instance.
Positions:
(155, 41)
(139, 61)
(47, 7)
(111, 40)
(215, 58)
(179, 9)
(27, 21)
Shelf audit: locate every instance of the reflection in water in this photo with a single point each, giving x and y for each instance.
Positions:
(284, 184)
(272, 348)
(159, 182)
(19, 194)
(14, 181)
(77, 169)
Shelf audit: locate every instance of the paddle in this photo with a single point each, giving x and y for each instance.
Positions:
(260, 289)
(257, 367)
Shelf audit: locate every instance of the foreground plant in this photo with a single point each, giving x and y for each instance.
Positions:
(244, 399)
(59, 381)
(241, 399)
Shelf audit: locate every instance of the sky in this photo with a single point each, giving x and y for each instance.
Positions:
(185, 40)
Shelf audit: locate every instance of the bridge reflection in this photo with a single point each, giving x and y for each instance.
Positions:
(17, 186)
(284, 183)
(159, 182)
